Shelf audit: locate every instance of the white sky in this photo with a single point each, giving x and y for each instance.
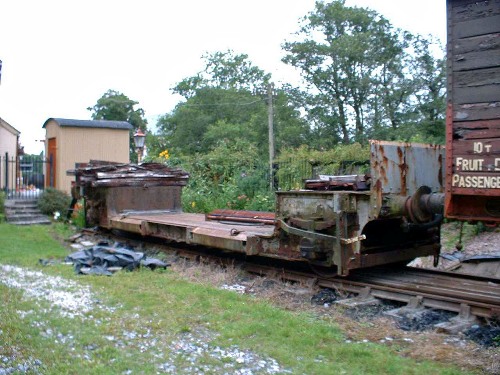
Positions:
(59, 57)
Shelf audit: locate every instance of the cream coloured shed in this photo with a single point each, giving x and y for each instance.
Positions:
(68, 142)
(9, 138)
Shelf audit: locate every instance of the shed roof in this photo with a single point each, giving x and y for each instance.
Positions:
(4, 124)
(90, 123)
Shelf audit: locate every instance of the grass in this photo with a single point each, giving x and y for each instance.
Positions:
(451, 233)
(163, 306)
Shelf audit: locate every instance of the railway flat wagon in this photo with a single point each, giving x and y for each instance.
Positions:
(473, 111)
(348, 222)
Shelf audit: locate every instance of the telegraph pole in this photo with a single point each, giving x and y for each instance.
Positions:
(270, 116)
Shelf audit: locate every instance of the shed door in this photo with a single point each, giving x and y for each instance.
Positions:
(51, 165)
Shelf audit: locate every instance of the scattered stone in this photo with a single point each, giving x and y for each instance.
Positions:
(75, 237)
(487, 335)
(193, 347)
(71, 298)
(238, 288)
(425, 320)
(370, 311)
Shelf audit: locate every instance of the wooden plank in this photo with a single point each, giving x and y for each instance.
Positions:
(476, 86)
(475, 27)
(477, 43)
(476, 60)
(476, 111)
(477, 130)
(477, 94)
(463, 10)
(136, 183)
(488, 149)
(140, 175)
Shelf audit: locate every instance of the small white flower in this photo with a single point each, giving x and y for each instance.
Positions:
(56, 215)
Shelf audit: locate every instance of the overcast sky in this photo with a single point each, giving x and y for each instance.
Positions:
(59, 57)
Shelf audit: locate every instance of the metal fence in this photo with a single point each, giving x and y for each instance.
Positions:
(24, 177)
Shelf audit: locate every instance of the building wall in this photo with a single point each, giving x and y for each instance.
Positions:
(80, 145)
(8, 139)
(8, 144)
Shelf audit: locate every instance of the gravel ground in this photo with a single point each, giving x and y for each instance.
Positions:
(74, 301)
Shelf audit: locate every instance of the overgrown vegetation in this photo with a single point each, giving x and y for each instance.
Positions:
(78, 215)
(231, 176)
(460, 232)
(53, 201)
(296, 165)
(151, 311)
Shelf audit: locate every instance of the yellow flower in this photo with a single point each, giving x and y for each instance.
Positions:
(193, 204)
(164, 154)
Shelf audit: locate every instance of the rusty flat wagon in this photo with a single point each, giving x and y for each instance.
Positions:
(349, 222)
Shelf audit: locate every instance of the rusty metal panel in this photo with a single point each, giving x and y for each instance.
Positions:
(401, 168)
(156, 198)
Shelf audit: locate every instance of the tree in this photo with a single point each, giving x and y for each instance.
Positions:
(430, 80)
(362, 72)
(115, 106)
(227, 102)
(224, 70)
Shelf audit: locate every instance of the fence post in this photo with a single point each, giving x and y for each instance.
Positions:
(6, 172)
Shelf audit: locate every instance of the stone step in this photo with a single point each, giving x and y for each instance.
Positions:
(21, 202)
(21, 207)
(28, 217)
(44, 221)
(24, 212)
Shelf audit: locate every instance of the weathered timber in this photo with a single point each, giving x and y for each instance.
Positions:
(99, 174)
(242, 216)
(349, 182)
(138, 182)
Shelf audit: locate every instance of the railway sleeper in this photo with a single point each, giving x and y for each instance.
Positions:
(415, 309)
(364, 298)
(463, 321)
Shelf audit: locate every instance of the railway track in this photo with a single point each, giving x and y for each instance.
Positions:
(469, 296)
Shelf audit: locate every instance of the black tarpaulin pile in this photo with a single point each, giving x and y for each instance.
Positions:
(104, 259)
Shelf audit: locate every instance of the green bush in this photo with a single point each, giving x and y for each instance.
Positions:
(52, 201)
(296, 165)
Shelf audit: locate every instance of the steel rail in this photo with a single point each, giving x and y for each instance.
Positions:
(460, 293)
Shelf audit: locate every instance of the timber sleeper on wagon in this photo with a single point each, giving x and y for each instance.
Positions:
(390, 216)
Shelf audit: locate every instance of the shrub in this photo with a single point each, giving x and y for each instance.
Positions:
(52, 201)
(301, 163)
